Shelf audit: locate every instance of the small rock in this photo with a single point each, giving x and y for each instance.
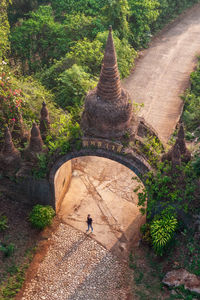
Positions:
(173, 292)
(182, 277)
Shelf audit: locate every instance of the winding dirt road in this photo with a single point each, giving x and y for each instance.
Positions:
(162, 72)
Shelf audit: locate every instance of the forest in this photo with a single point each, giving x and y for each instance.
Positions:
(55, 48)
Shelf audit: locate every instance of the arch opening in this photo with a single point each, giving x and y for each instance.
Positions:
(103, 188)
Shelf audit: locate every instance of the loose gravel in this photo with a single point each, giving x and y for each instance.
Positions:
(76, 267)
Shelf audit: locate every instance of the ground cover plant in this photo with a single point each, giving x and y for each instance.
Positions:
(17, 245)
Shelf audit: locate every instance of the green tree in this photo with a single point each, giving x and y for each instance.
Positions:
(142, 14)
(4, 28)
(116, 13)
(88, 54)
(78, 26)
(169, 9)
(88, 7)
(191, 114)
(20, 9)
(39, 40)
(73, 84)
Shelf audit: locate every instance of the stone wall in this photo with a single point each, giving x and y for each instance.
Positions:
(61, 182)
(29, 191)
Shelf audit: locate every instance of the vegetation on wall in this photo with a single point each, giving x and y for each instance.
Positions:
(170, 195)
(191, 114)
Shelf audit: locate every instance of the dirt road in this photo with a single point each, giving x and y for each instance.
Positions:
(162, 72)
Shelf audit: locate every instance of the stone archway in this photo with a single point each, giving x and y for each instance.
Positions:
(111, 129)
(112, 232)
(60, 174)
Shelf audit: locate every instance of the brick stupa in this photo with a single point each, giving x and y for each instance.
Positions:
(108, 109)
(180, 144)
(10, 157)
(36, 145)
(44, 120)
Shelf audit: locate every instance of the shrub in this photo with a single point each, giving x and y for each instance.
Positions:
(11, 99)
(196, 165)
(64, 133)
(41, 216)
(191, 114)
(162, 231)
(7, 249)
(87, 54)
(146, 235)
(41, 170)
(3, 222)
(73, 85)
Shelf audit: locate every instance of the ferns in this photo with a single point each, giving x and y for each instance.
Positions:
(162, 231)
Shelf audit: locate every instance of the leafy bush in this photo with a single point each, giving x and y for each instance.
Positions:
(145, 230)
(78, 26)
(38, 40)
(169, 9)
(116, 13)
(162, 230)
(41, 170)
(3, 222)
(142, 15)
(11, 98)
(191, 114)
(73, 84)
(64, 133)
(196, 165)
(41, 216)
(166, 190)
(87, 54)
(14, 284)
(7, 249)
(4, 29)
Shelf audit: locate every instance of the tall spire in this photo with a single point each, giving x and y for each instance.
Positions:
(10, 157)
(108, 110)
(181, 133)
(109, 87)
(44, 120)
(181, 146)
(8, 147)
(36, 143)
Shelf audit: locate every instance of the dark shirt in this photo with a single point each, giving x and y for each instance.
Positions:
(89, 221)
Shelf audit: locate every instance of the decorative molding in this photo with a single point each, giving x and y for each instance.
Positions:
(102, 144)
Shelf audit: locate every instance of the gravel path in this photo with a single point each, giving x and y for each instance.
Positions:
(76, 267)
(162, 73)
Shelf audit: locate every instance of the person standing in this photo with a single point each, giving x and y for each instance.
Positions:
(89, 222)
